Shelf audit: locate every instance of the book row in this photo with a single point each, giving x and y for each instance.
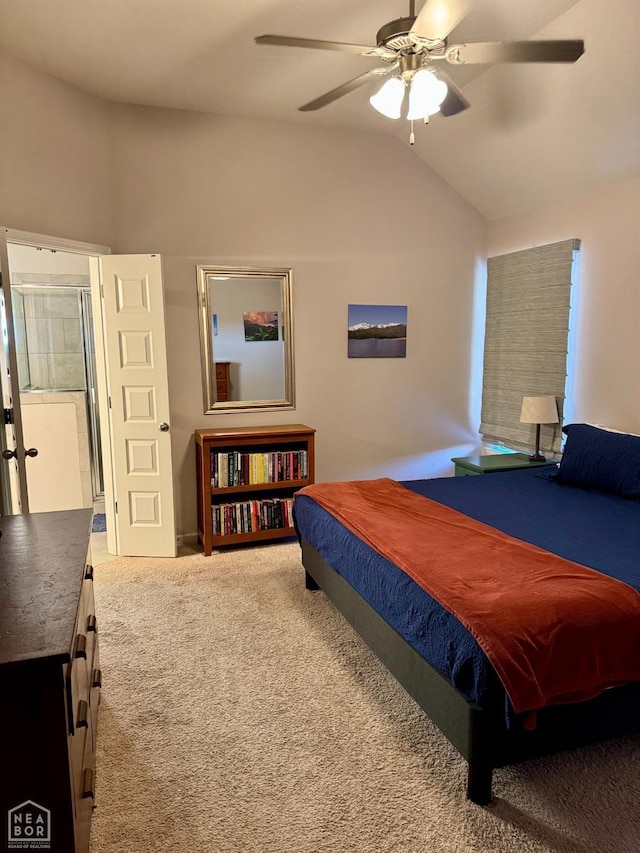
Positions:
(251, 516)
(234, 468)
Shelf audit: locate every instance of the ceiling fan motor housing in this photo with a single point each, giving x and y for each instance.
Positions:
(395, 34)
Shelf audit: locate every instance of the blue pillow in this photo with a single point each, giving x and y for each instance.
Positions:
(598, 459)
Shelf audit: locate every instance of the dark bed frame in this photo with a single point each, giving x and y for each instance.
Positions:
(479, 735)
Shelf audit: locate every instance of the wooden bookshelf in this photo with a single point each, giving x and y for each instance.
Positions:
(246, 478)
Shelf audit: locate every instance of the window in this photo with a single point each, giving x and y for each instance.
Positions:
(526, 334)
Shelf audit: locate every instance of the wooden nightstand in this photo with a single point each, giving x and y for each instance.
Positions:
(469, 466)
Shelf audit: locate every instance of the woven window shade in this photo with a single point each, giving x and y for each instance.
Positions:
(525, 348)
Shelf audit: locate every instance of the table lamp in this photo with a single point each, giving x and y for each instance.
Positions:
(539, 410)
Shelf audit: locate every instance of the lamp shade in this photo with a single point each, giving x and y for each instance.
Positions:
(426, 94)
(539, 410)
(388, 99)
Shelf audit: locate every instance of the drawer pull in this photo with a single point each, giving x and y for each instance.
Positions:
(80, 650)
(88, 783)
(96, 678)
(92, 623)
(82, 715)
(88, 572)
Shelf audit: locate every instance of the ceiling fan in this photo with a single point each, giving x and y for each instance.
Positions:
(408, 47)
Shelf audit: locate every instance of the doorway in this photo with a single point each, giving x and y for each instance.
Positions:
(133, 387)
(52, 442)
(55, 352)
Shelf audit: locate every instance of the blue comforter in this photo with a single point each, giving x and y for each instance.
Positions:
(598, 530)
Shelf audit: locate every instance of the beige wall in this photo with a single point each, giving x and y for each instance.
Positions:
(54, 157)
(606, 301)
(359, 219)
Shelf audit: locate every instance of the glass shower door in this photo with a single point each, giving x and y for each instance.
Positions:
(93, 411)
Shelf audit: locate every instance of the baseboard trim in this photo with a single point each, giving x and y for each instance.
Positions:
(186, 539)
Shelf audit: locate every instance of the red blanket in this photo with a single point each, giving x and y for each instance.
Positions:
(555, 631)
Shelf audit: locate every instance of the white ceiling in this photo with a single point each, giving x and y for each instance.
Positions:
(534, 133)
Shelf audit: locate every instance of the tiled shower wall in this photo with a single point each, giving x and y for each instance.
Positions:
(48, 333)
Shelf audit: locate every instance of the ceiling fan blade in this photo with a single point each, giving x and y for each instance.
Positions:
(438, 17)
(345, 89)
(317, 44)
(515, 51)
(454, 102)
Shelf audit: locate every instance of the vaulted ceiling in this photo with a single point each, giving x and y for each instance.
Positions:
(534, 133)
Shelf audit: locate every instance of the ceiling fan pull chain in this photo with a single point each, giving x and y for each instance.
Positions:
(412, 136)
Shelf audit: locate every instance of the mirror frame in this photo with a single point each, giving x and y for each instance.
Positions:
(211, 405)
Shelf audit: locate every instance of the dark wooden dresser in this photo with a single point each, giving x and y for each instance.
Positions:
(223, 381)
(49, 682)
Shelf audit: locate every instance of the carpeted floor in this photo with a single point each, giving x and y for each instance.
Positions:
(241, 714)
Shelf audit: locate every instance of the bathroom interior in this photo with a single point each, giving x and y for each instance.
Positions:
(53, 324)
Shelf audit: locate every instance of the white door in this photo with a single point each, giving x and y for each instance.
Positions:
(139, 500)
(13, 479)
(54, 479)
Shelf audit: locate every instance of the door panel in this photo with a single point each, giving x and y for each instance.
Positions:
(52, 427)
(136, 367)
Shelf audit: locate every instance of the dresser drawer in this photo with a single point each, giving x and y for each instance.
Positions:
(77, 743)
(222, 381)
(82, 667)
(79, 673)
(86, 603)
(84, 797)
(82, 747)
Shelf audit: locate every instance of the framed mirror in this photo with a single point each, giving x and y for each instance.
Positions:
(246, 338)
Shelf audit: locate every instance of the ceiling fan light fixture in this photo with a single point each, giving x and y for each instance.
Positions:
(388, 99)
(426, 94)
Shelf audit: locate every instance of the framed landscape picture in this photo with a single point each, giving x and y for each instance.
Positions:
(260, 325)
(377, 331)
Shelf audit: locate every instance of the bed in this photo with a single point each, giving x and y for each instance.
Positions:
(587, 512)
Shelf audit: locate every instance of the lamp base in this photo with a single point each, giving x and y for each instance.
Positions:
(537, 456)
